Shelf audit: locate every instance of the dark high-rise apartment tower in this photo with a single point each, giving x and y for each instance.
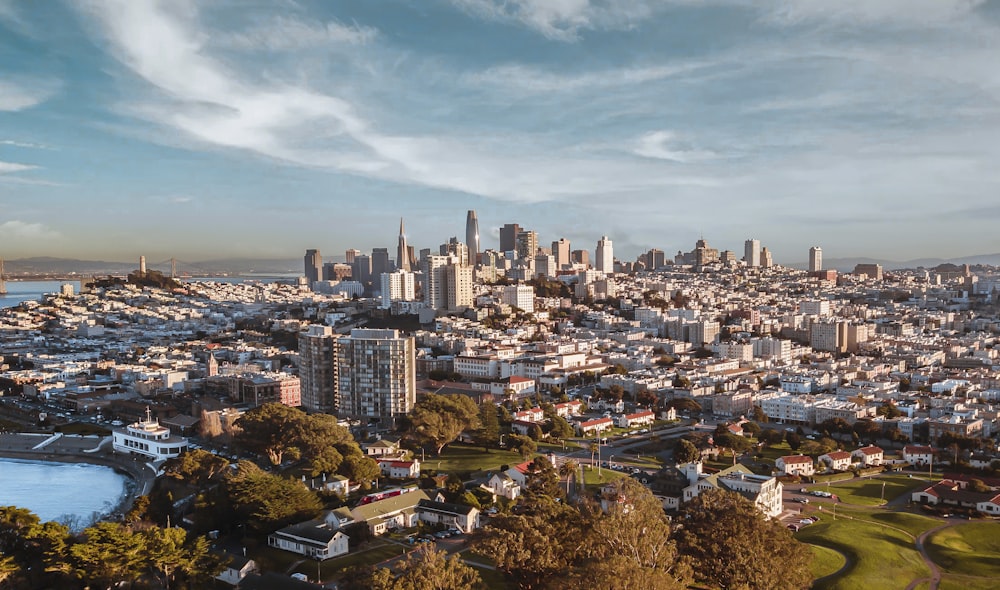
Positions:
(361, 270)
(314, 267)
(472, 236)
(402, 250)
(508, 237)
(815, 259)
(380, 263)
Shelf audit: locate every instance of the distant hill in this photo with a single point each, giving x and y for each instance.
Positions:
(43, 265)
(848, 264)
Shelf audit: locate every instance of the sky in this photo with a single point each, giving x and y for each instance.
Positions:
(251, 128)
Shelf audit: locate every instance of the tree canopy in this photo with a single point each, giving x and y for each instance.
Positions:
(438, 419)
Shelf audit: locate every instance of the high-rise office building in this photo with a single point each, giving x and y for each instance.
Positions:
(317, 370)
(561, 252)
(508, 237)
(766, 260)
(751, 253)
(380, 262)
(472, 236)
(604, 259)
(351, 254)
(815, 259)
(402, 250)
(526, 244)
(581, 257)
(313, 267)
(361, 269)
(455, 248)
(376, 374)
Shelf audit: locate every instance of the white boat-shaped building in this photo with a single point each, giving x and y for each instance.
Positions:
(149, 439)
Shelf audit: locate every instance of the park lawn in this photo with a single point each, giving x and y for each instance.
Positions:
(773, 453)
(881, 557)
(971, 549)
(592, 478)
(868, 491)
(956, 582)
(492, 579)
(375, 553)
(825, 561)
(914, 524)
(468, 458)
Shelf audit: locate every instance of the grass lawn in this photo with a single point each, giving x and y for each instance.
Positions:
(370, 556)
(493, 579)
(468, 458)
(882, 558)
(591, 477)
(955, 582)
(969, 549)
(868, 491)
(825, 561)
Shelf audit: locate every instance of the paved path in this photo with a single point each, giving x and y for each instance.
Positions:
(935, 578)
(848, 563)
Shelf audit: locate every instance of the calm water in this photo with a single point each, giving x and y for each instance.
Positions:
(18, 291)
(55, 490)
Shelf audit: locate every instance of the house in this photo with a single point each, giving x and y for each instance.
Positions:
(519, 473)
(395, 469)
(637, 419)
(503, 485)
(991, 506)
(764, 491)
(591, 427)
(870, 456)
(237, 567)
(381, 448)
(836, 460)
(398, 511)
(462, 517)
(337, 484)
(535, 414)
(801, 465)
(312, 538)
(522, 427)
(567, 409)
(918, 454)
(950, 492)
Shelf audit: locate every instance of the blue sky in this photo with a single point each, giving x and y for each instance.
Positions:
(218, 129)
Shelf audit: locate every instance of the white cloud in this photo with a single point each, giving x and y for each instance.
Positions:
(533, 80)
(18, 229)
(284, 33)
(8, 167)
(665, 145)
(562, 20)
(24, 144)
(934, 13)
(24, 94)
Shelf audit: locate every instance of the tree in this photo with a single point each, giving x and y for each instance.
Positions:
(429, 569)
(734, 442)
(561, 429)
(360, 469)
(267, 501)
(110, 553)
(685, 451)
(794, 440)
(568, 470)
(367, 577)
(542, 478)
(439, 419)
(759, 416)
(770, 436)
(535, 432)
(726, 535)
(488, 434)
(195, 467)
(523, 444)
(273, 430)
(751, 427)
(172, 551)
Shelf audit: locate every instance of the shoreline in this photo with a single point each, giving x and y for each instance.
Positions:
(139, 477)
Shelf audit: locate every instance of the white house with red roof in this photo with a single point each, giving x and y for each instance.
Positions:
(567, 409)
(596, 426)
(870, 456)
(991, 506)
(836, 460)
(637, 419)
(918, 454)
(535, 414)
(801, 465)
(396, 469)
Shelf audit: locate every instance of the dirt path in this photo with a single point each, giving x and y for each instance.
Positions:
(935, 578)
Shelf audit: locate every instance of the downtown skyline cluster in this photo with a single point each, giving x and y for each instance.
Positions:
(184, 128)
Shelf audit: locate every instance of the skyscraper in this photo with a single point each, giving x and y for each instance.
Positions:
(472, 236)
(350, 255)
(362, 268)
(402, 250)
(317, 370)
(526, 244)
(376, 374)
(447, 283)
(751, 253)
(313, 267)
(560, 250)
(508, 237)
(605, 256)
(380, 263)
(815, 259)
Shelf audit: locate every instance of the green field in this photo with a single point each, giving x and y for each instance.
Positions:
(825, 561)
(969, 549)
(458, 458)
(331, 567)
(868, 491)
(955, 582)
(880, 557)
(591, 477)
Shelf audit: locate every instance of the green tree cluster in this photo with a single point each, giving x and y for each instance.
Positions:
(437, 420)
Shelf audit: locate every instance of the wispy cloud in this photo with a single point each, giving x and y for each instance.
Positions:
(24, 94)
(562, 20)
(18, 229)
(666, 145)
(283, 33)
(934, 13)
(24, 144)
(9, 167)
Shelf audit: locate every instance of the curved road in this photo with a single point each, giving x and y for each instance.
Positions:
(935, 578)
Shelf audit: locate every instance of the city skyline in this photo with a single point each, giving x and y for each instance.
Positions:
(212, 131)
